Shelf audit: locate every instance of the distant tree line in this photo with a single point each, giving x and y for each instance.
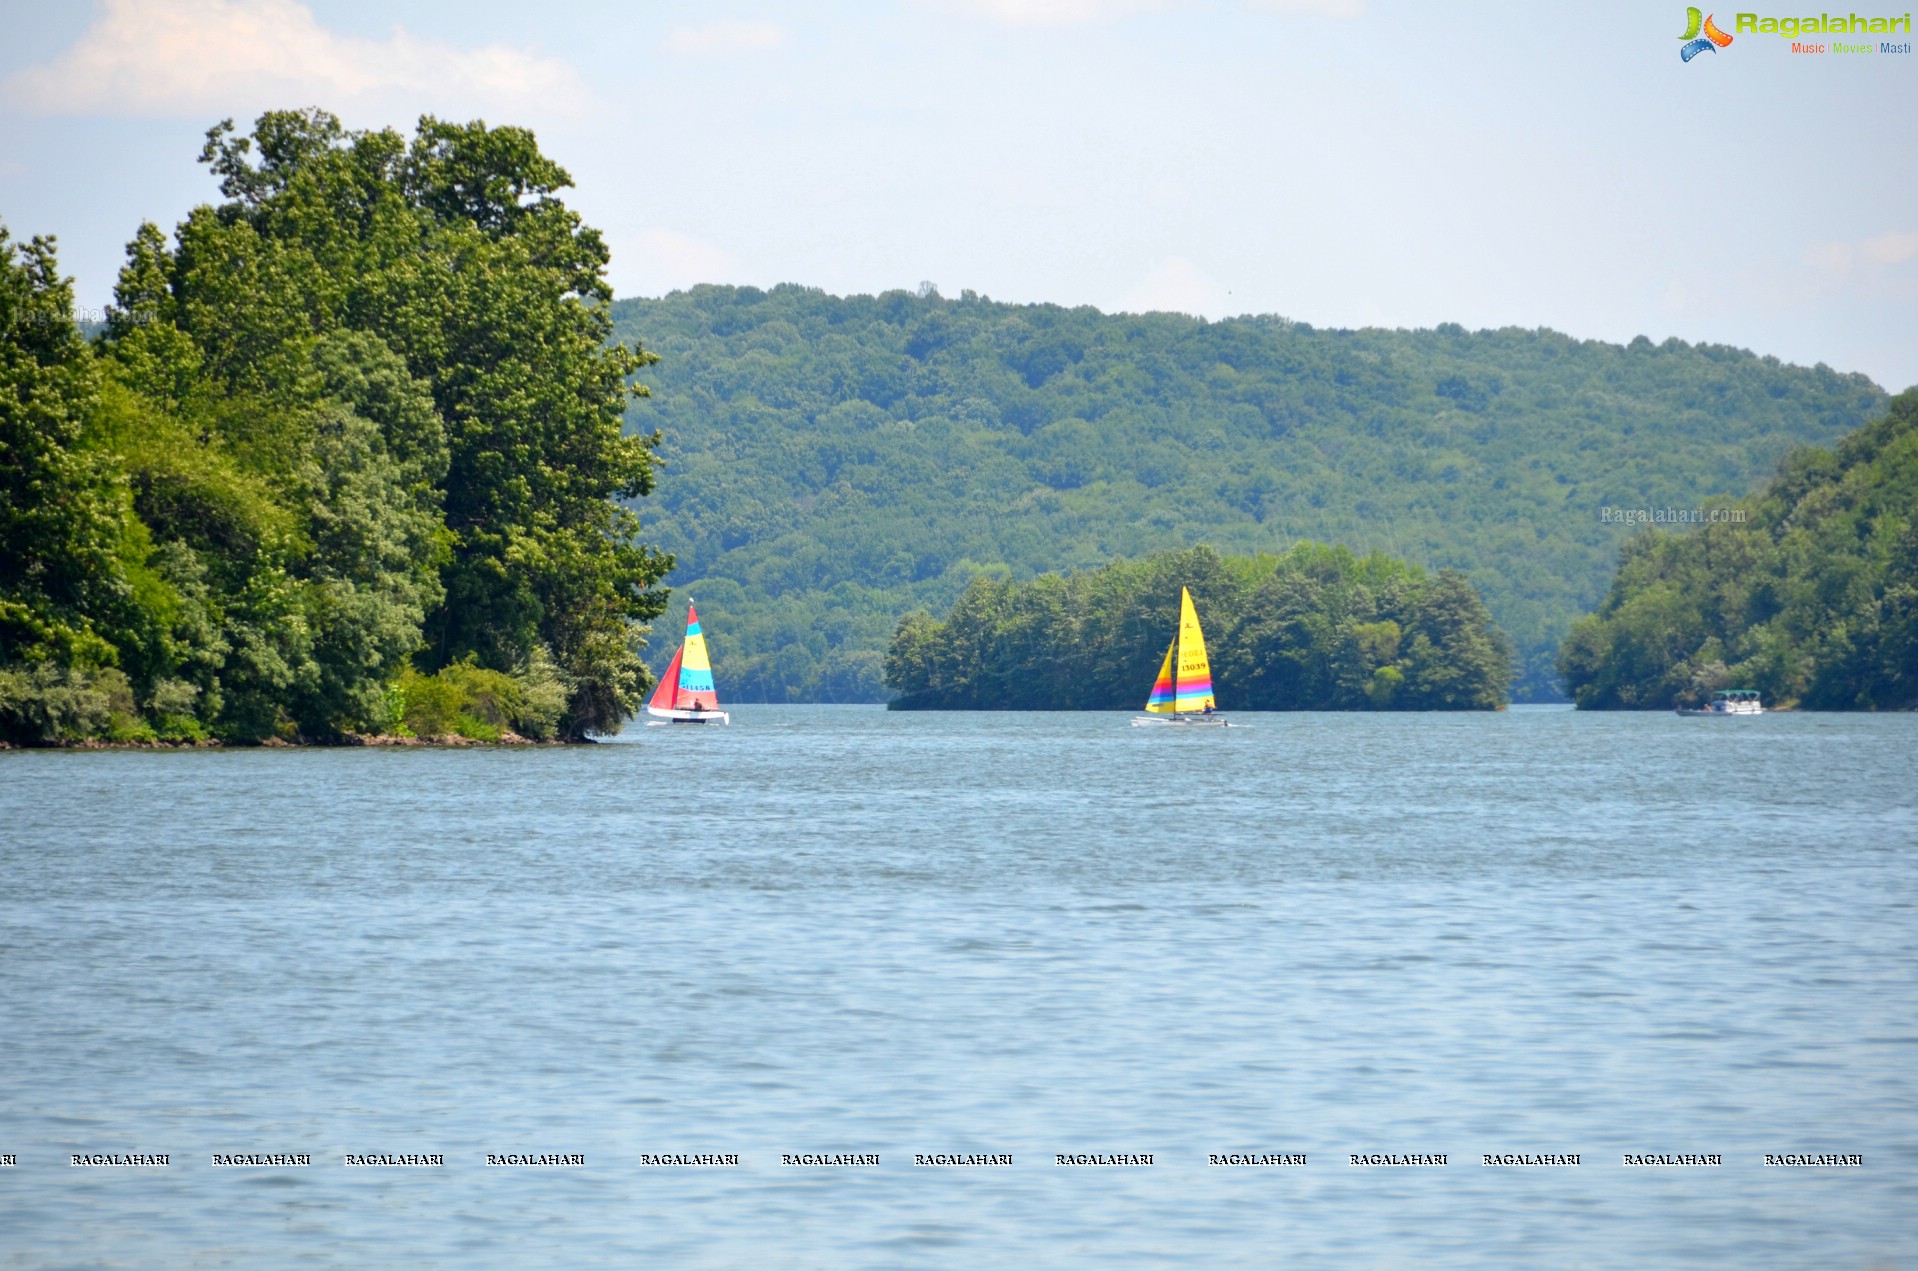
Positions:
(838, 461)
(344, 458)
(1316, 628)
(1812, 601)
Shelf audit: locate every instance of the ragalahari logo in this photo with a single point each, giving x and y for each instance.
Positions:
(1711, 41)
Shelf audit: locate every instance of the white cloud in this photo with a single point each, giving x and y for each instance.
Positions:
(1061, 12)
(1175, 285)
(673, 262)
(1068, 12)
(719, 38)
(1321, 8)
(214, 57)
(1831, 257)
(1890, 249)
(1887, 249)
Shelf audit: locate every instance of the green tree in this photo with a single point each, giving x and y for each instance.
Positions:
(1809, 599)
(455, 253)
(1458, 659)
(845, 460)
(363, 414)
(1314, 629)
(62, 510)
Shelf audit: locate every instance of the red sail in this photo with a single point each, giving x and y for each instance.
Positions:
(668, 684)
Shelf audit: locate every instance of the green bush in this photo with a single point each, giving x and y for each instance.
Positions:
(46, 703)
(468, 700)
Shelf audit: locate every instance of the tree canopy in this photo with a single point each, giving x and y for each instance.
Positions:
(1812, 600)
(356, 425)
(840, 461)
(1316, 628)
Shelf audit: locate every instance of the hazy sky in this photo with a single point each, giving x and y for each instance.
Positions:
(1340, 162)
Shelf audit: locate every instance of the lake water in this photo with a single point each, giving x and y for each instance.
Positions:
(842, 931)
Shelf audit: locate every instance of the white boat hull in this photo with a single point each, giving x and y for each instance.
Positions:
(1737, 701)
(1180, 721)
(666, 716)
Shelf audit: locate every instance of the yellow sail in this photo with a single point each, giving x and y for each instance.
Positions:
(1194, 691)
(1185, 677)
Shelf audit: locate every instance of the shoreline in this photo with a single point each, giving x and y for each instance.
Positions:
(449, 741)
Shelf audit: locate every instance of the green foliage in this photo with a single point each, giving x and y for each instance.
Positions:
(462, 699)
(455, 251)
(1813, 600)
(465, 699)
(545, 697)
(62, 507)
(1314, 629)
(839, 462)
(365, 413)
(45, 702)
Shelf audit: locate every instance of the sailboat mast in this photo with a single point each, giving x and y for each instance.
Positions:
(1178, 648)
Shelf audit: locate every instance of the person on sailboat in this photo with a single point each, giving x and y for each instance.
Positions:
(1208, 706)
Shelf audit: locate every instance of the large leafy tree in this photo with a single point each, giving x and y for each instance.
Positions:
(66, 598)
(358, 423)
(61, 517)
(375, 273)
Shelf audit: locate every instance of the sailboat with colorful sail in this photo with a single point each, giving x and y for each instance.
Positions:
(1182, 694)
(685, 694)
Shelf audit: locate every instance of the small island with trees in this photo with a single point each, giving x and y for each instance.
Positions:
(1314, 629)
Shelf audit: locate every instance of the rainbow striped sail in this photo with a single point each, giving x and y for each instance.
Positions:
(686, 694)
(1164, 690)
(1185, 677)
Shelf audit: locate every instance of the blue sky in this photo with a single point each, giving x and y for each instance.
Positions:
(1340, 162)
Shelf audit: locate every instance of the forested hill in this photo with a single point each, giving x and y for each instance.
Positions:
(1811, 598)
(833, 463)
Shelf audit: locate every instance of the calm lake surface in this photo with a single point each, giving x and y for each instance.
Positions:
(837, 930)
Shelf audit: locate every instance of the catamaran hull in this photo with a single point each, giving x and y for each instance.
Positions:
(670, 716)
(1181, 721)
